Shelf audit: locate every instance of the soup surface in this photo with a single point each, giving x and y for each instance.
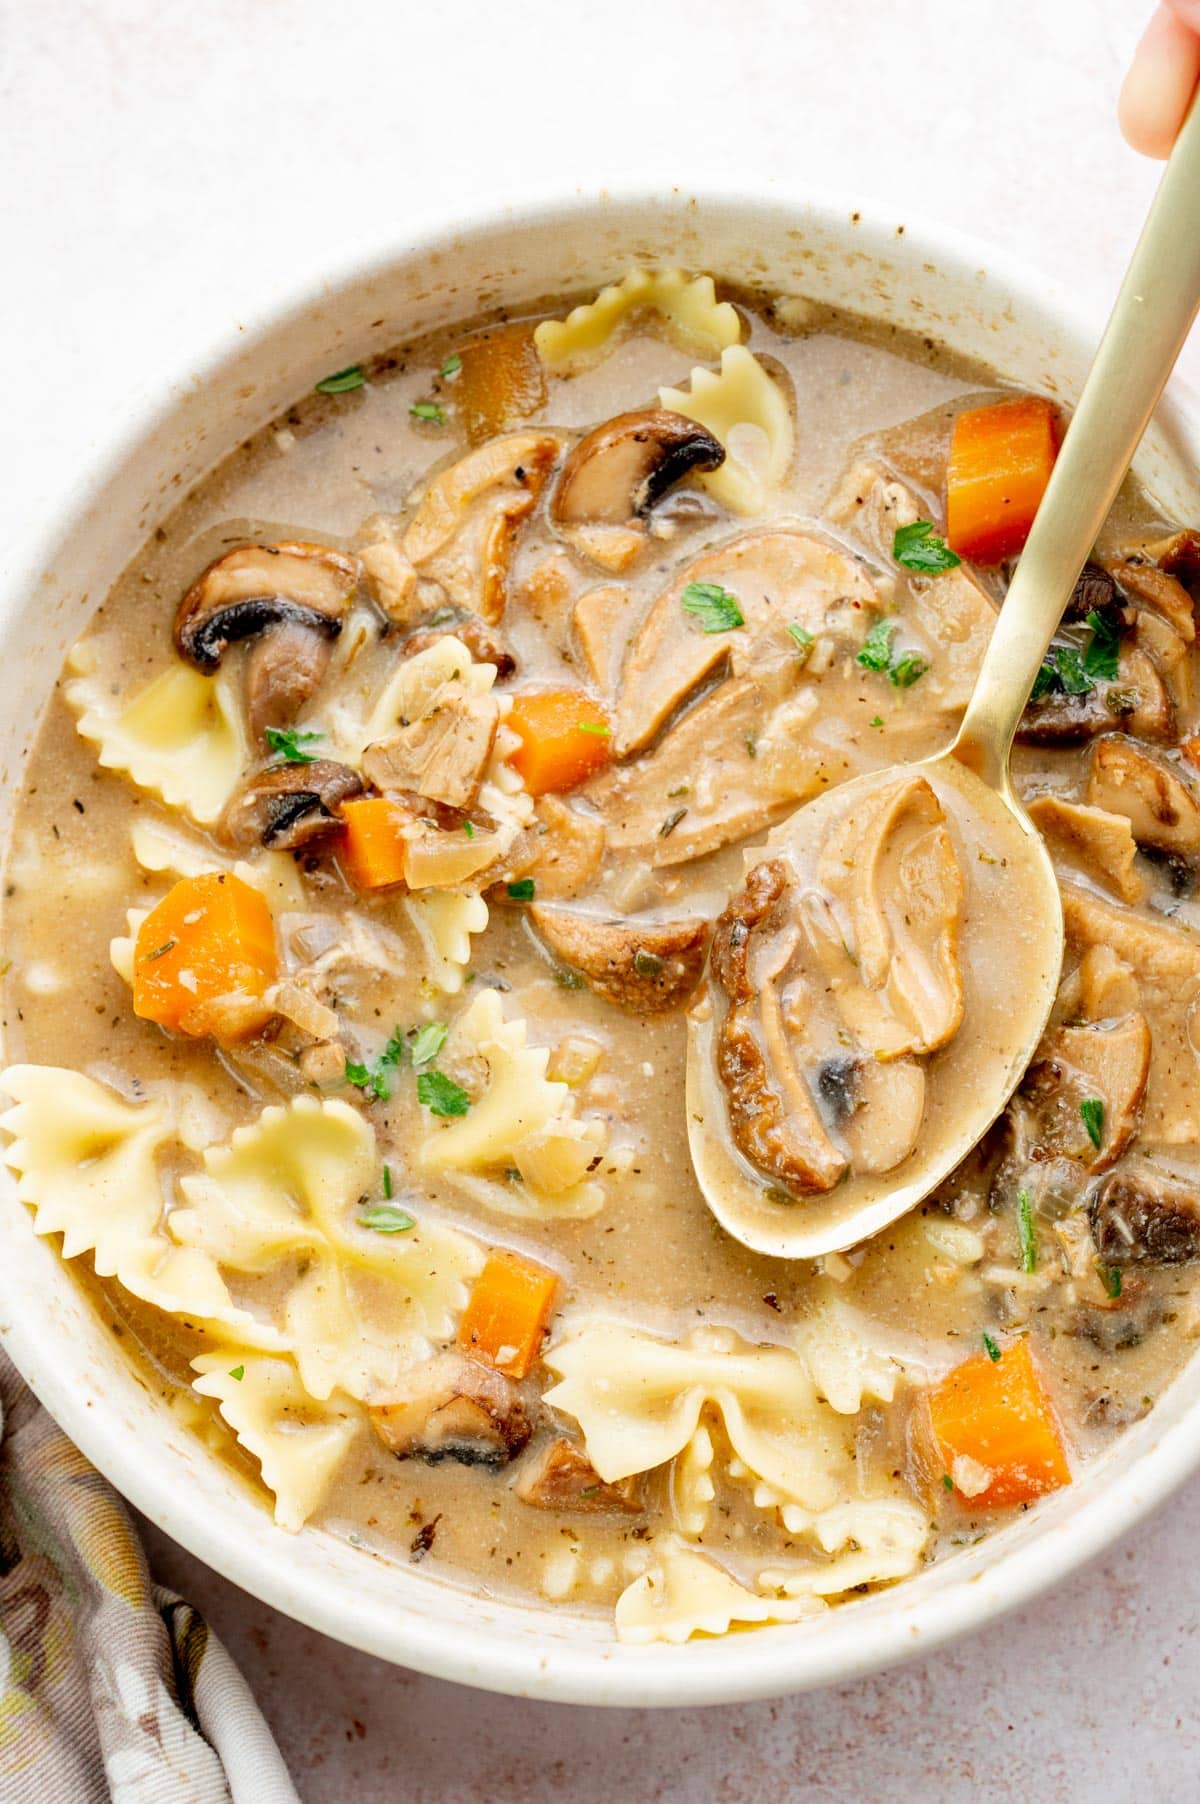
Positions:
(373, 849)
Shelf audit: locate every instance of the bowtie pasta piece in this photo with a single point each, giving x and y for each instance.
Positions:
(180, 737)
(684, 1593)
(686, 305)
(750, 414)
(445, 920)
(298, 1446)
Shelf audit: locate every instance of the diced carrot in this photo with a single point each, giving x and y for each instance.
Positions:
(373, 847)
(996, 1413)
(205, 957)
(507, 1313)
(564, 739)
(1000, 462)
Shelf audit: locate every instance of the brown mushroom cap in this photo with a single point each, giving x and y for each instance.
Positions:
(287, 805)
(1162, 810)
(1139, 1216)
(643, 966)
(255, 587)
(616, 473)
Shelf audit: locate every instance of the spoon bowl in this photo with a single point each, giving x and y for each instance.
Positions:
(1010, 971)
(1012, 913)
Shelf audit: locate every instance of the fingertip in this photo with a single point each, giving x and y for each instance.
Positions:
(1160, 83)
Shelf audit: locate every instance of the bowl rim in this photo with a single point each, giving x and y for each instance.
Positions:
(733, 1668)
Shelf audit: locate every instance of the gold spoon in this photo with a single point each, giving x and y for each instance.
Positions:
(1009, 878)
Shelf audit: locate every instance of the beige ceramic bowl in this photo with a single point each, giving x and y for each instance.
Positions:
(920, 278)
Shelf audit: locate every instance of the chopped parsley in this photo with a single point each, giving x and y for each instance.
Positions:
(947, 1481)
(441, 1095)
(468, 829)
(522, 890)
(288, 745)
(1026, 1231)
(383, 1219)
(1069, 670)
(1092, 1111)
(377, 1077)
(803, 639)
(566, 979)
(1112, 1280)
(387, 1182)
(430, 411)
(342, 381)
(238, 1372)
(876, 653)
(647, 964)
(990, 1348)
(877, 721)
(876, 650)
(451, 368)
(1101, 654)
(600, 728)
(714, 607)
(918, 548)
(425, 1045)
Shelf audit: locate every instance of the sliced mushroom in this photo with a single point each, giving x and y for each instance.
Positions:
(289, 805)
(1095, 591)
(889, 1106)
(562, 852)
(1161, 808)
(773, 1119)
(444, 755)
(255, 587)
(484, 643)
(453, 1407)
(1150, 585)
(645, 967)
(778, 578)
(889, 942)
(464, 532)
(599, 622)
(1137, 699)
(561, 1477)
(1105, 1064)
(1092, 841)
(1140, 1216)
(617, 473)
(284, 668)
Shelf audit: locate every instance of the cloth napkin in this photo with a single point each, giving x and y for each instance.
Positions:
(111, 1688)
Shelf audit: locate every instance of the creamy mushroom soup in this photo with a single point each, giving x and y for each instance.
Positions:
(373, 850)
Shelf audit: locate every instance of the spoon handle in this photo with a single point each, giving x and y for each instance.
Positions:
(1151, 319)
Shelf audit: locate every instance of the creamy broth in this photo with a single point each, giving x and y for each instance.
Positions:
(765, 1397)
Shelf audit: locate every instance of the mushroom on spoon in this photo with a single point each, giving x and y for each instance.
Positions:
(906, 928)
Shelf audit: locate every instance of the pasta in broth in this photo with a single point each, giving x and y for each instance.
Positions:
(373, 848)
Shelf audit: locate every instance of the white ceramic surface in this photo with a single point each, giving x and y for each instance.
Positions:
(929, 280)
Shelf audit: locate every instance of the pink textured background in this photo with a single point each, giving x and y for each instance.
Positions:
(174, 165)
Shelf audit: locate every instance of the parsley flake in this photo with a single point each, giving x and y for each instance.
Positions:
(714, 607)
(387, 1182)
(947, 1481)
(469, 829)
(1112, 1280)
(876, 653)
(429, 411)
(441, 1095)
(238, 1372)
(451, 368)
(342, 381)
(425, 1045)
(803, 640)
(1101, 656)
(522, 890)
(990, 1348)
(917, 547)
(1092, 1111)
(288, 745)
(383, 1219)
(600, 728)
(1026, 1231)
(377, 1077)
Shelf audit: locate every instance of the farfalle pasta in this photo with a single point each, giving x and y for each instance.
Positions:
(365, 873)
